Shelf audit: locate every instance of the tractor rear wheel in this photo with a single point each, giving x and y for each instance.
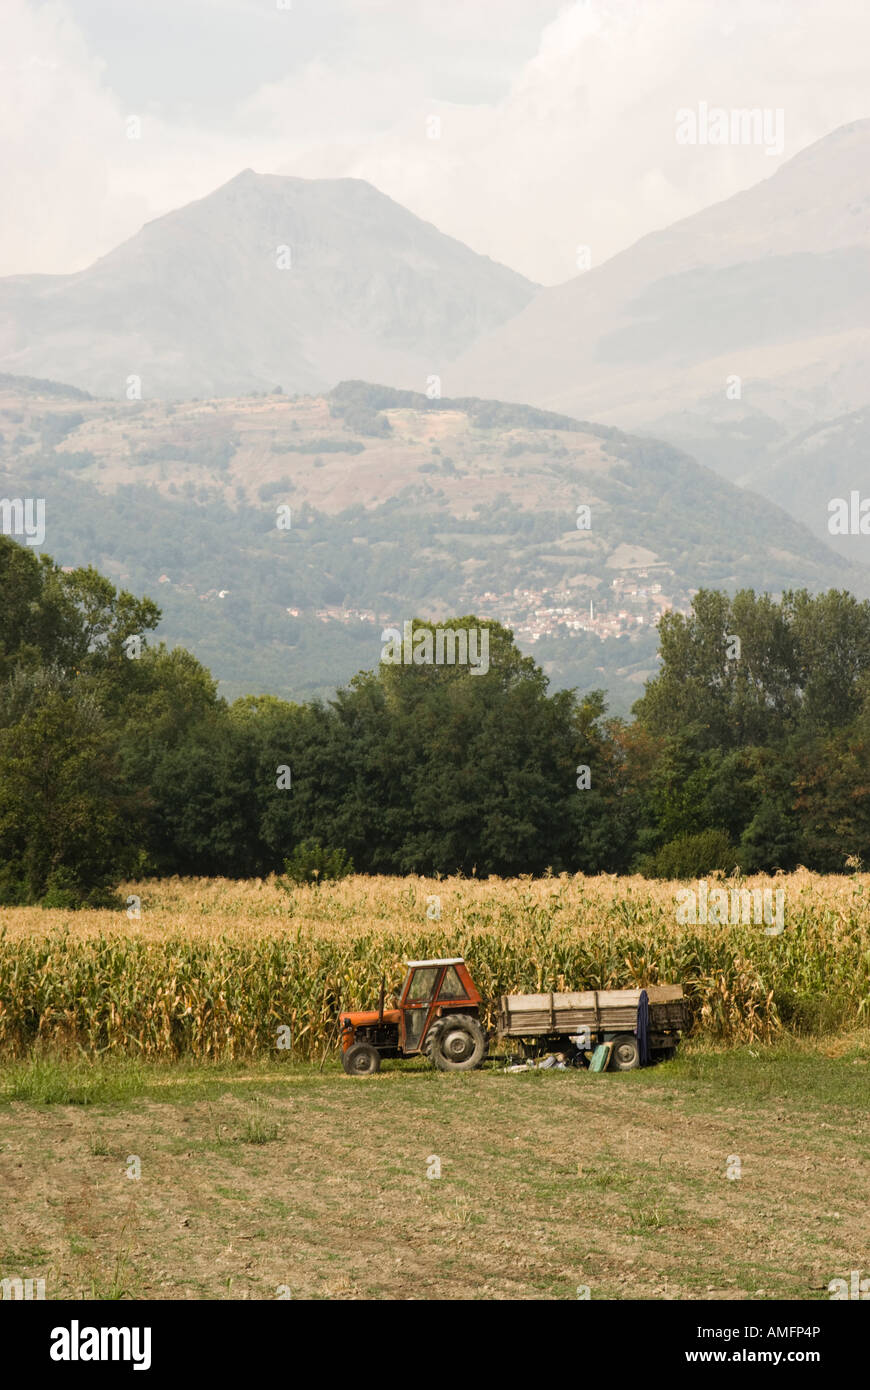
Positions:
(626, 1053)
(361, 1059)
(456, 1042)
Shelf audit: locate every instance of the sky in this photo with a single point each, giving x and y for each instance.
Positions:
(526, 128)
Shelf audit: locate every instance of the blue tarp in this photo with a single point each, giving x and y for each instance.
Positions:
(643, 1027)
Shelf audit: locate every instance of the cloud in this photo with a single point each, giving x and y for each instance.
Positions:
(74, 183)
(571, 144)
(582, 149)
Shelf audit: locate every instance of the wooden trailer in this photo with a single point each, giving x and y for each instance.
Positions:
(643, 1025)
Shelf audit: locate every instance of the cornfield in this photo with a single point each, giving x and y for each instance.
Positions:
(218, 969)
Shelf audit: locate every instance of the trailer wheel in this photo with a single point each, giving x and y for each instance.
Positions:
(361, 1059)
(456, 1042)
(625, 1055)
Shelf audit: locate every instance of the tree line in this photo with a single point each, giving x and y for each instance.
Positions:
(118, 758)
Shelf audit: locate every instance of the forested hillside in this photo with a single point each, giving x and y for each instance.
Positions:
(395, 504)
(117, 755)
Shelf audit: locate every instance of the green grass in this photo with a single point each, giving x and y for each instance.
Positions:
(762, 1073)
(765, 1075)
(259, 1131)
(77, 1081)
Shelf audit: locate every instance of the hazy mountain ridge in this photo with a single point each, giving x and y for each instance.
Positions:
(824, 462)
(267, 281)
(771, 286)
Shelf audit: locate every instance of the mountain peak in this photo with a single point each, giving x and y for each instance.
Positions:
(270, 279)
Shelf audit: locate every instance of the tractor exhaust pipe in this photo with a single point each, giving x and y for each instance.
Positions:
(381, 1001)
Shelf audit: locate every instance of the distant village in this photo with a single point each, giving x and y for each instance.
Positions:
(629, 604)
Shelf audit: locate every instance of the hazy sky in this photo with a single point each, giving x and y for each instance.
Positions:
(557, 118)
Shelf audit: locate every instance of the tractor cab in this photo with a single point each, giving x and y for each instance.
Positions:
(436, 1015)
(429, 986)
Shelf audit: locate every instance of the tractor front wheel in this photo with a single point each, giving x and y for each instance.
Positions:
(361, 1059)
(456, 1043)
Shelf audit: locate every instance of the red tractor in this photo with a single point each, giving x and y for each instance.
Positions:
(437, 1015)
